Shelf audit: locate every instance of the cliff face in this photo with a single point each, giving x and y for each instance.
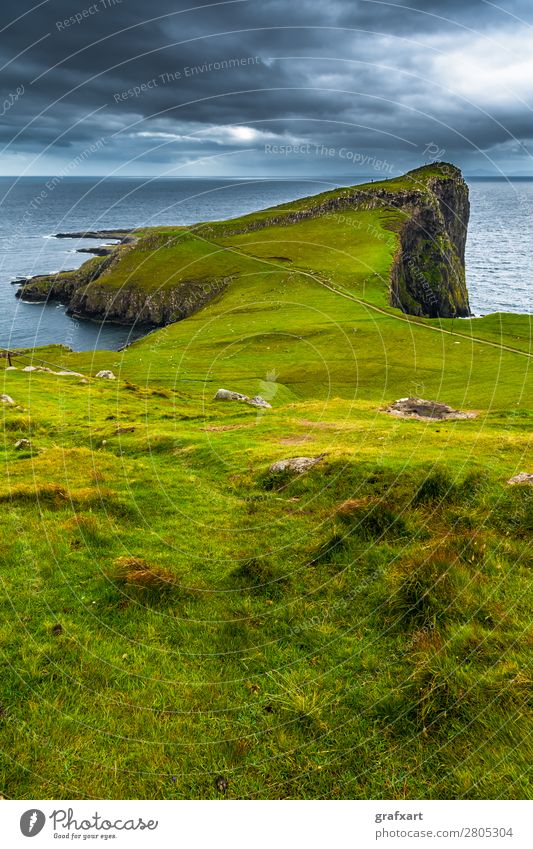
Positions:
(133, 306)
(87, 295)
(427, 277)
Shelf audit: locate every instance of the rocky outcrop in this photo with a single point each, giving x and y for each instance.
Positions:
(228, 395)
(87, 295)
(419, 408)
(297, 465)
(521, 478)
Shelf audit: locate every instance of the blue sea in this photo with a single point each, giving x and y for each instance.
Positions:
(499, 249)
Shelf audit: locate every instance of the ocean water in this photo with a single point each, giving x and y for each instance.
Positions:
(499, 249)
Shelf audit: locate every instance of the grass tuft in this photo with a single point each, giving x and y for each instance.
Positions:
(136, 572)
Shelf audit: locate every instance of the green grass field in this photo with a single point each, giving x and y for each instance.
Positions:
(172, 612)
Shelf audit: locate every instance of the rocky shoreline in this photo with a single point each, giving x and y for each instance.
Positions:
(121, 236)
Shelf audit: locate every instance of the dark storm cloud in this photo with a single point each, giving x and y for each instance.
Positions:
(170, 84)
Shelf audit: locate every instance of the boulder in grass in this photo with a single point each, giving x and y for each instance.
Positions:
(257, 401)
(105, 374)
(6, 399)
(228, 395)
(521, 478)
(421, 409)
(22, 443)
(298, 465)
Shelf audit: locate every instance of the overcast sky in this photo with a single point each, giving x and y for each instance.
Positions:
(265, 87)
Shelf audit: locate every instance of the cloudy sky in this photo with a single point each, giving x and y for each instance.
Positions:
(265, 87)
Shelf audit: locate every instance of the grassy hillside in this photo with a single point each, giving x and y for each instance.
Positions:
(173, 612)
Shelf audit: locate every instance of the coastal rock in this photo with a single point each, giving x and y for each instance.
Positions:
(96, 234)
(419, 408)
(521, 478)
(428, 274)
(6, 399)
(298, 465)
(105, 374)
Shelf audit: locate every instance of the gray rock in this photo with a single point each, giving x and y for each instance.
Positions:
(257, 401)
(105, 374)
(295, 464)
(6, 399)
(45, 370)
(227, 395)
(522, 477)
(419, 408)
(22, 443)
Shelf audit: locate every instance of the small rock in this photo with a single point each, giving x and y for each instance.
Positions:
(105, 374)
(11, 368)
(221, 784)
(68, 374)
(83, 381)
(22, 443)
(125, 430)
(257, 401)
(6, 399)
(227, 395)
(522, 477)
(30, 368)
(295, 464)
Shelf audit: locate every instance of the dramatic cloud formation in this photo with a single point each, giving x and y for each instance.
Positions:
(251, 87)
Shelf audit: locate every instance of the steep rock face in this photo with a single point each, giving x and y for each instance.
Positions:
(130, 305)
(428, 275)
(87, 295)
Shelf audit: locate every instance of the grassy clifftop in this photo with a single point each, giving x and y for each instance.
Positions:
(174, 612)
(404, 236)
